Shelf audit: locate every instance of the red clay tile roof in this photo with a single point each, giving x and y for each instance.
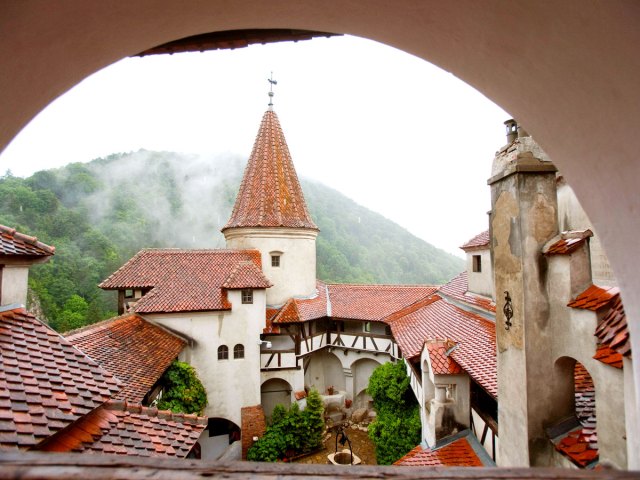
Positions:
(45, 382)
(316, 307)
(594, 298)
(578, 446)
(441, 363)
(612, 330)
(270, 194)
(246, 275)
(585, 394)
(566, 242)
(455, 454)
(356, 302)
(126, 429)
(476, 338)
(16, 243)
(480, 240)
(608, 356)
(182, 280)
(458, 289)
(134, 350)
(374, 302)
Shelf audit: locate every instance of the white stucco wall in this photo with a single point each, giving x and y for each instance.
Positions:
(571, 216)
(233, 383)
(14, 284)
(481, 282)
(571, 335)
(296, 275)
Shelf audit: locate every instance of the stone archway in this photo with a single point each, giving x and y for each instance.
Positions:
(325, 370)
(275, 391)
(361, 370)
(217, 438)
(569, 74)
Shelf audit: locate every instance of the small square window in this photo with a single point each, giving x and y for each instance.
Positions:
(477, 263)
(128, 294)
(247, 296)
(275, 260)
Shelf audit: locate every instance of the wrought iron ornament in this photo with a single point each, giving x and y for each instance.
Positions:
(272, 82)
(507, 310)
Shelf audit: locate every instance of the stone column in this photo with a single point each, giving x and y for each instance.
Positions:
(523, 219)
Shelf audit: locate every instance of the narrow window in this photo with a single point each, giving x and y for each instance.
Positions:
(238, 351)
(477, 263)
(247, 295)
(366, 327)
(275, 260)
(223, 352)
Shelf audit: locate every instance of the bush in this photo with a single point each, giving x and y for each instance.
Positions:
(184, 393)
(396, 429)
(291, 431)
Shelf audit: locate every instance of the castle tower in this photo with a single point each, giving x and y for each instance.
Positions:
(270, 215)
(523, 218)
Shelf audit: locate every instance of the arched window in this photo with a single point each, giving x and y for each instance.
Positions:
(238, 351)
(223, 352)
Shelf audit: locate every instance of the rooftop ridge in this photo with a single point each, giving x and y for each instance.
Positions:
(137, 408)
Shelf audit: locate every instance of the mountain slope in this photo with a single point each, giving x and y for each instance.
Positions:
(101, 213)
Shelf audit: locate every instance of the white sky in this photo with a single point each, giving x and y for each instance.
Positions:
(389, 130)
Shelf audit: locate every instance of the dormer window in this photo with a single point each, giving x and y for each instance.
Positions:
(247, 296)
(477, 263)
(275, 260)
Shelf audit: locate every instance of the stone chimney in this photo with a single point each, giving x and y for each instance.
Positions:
(512, 130)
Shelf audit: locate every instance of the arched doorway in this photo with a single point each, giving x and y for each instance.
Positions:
(217, 439)
(361, 371)
(537, 62)
(275, 391)
(324, 371)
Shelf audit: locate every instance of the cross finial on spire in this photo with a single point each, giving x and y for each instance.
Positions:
(272, 82)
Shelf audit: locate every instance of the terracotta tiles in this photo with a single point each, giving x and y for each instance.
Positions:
(480, 240)
(45, 382)
(122, 428)
(270, 194)
(594, 298)
(134, 350)
(455, 454)
(567, 242)
(288, 313)
(185, 280)
(441, 361)
(316, 307)
(458, 289)
(612, 331)
(578, 447)
(608, 356)
(374, 302)
(585, 394)
(475, 336)
(16, 243)
(246, 274)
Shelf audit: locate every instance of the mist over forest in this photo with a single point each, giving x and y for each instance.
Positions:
(101, 213)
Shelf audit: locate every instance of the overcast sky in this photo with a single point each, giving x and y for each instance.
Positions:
(389, 130)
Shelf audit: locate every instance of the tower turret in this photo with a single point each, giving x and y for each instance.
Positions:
(270, 215)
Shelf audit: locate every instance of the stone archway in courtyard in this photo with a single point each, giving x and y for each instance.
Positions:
(361, 370)
(325, 370)
(568, 73)
(275, 391)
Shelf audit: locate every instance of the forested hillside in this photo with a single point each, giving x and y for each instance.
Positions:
(99, 214)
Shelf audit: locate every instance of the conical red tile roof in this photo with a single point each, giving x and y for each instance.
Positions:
(270, 194)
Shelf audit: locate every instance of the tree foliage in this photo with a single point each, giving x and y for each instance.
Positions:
(291, 431)
(396, 429)
(99, 214)
(184, 393)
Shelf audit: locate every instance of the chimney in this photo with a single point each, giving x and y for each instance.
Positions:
(512, 130)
